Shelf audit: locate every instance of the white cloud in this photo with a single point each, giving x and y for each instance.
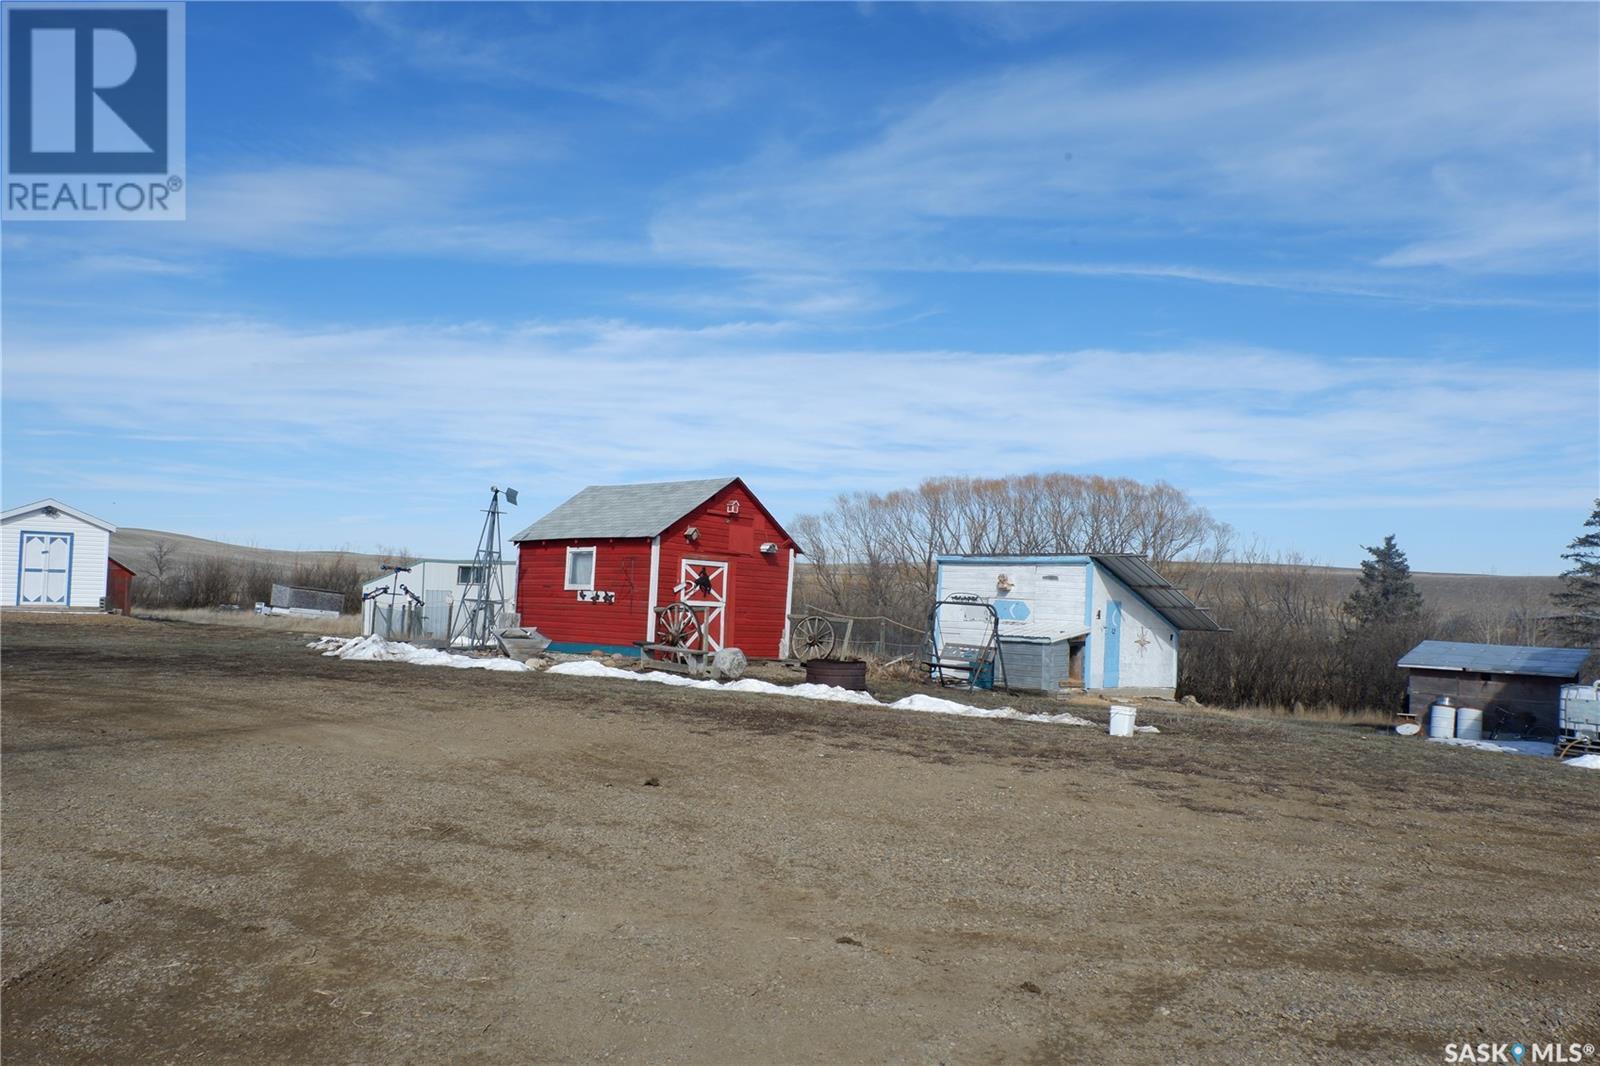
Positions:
(616, 399)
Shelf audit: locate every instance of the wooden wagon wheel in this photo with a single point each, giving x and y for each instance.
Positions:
(813, 638)
(677, 625)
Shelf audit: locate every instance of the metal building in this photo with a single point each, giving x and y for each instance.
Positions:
(421, 601)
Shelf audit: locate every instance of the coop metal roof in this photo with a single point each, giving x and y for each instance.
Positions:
(602, 511)
(1495, 658)
(1171, 601)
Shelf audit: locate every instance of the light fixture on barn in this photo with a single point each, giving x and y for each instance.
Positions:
(692, 533)
(484, 600)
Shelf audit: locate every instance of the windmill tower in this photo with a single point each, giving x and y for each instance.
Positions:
(484, 601)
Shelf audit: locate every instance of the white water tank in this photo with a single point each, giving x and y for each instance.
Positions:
(1469, 723)
(1442, 719)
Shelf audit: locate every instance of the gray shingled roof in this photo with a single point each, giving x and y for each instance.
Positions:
(602, 511)
(1496, 658)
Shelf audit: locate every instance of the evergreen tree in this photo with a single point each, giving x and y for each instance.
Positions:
(1385, 593)
(1577, 604)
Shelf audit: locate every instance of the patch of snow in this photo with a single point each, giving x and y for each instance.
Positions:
(374, 649)
(1530, 747)
(1588, 762)
(828, 693)
(1513, 747)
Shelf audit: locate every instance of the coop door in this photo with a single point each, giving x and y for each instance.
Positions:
(703, 585)
(1113, 664)
(45, 568)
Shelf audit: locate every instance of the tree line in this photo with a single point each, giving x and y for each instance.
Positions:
(173, 578)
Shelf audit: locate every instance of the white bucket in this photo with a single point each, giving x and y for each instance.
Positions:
(1442, 720)
(1469, 723)
(1121, 722)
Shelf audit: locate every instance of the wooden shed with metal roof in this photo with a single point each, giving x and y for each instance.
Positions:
(1517, 687)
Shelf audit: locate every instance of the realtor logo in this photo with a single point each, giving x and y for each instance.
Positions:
(94, 111)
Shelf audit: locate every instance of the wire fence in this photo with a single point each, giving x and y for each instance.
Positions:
(876, 636)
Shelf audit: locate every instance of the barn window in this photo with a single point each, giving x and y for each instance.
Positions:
(469, 575)
(580, 568)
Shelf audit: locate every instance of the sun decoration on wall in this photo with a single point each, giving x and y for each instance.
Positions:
(1144, 639)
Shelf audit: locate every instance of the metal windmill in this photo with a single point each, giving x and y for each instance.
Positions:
(484, 600)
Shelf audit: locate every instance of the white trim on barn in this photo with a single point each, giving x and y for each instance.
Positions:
(788, 610)
(566, 573)
(655, 589)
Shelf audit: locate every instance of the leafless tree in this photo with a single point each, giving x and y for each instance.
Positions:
(163, 560)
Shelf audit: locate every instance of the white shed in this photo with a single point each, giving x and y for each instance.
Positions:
(53, 557)
(1100, 622)
(441, 584)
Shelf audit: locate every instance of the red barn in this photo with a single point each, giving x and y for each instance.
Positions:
(591, 573)
(119, 587)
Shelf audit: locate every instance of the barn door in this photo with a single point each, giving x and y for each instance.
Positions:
(703, 584)
(45, 568)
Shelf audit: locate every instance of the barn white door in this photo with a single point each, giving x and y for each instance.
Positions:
(703, 584)
(44, 568)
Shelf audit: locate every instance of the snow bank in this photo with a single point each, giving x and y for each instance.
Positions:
(829, 693)
(1588, 762)
(375, 649)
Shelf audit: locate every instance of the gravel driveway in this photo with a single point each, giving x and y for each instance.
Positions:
(220, 846)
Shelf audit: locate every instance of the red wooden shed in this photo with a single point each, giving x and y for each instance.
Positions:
(119, 587)
(591, 573)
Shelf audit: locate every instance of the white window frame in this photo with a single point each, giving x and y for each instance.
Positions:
(566, 573)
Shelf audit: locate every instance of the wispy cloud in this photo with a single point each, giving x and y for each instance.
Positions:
(668, 72)
(727, 396)
(1401, 145)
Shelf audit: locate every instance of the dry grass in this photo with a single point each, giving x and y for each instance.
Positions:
(346, 625)
(1336, 715)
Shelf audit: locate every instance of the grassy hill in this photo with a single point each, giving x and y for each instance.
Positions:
(135, 549)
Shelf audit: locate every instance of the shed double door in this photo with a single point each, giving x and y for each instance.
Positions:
(44, 568)
(703, 584)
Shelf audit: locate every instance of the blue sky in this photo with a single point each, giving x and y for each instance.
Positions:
(1331, 269)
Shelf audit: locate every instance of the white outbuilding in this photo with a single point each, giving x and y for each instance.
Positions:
(423, 600)
(1101, 622)
(53, 557)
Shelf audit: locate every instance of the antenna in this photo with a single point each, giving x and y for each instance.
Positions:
(485, 597)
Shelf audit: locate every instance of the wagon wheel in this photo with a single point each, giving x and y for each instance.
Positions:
(813, 638)
(677, 625)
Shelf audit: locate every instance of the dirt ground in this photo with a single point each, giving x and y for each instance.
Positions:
(221, 846)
